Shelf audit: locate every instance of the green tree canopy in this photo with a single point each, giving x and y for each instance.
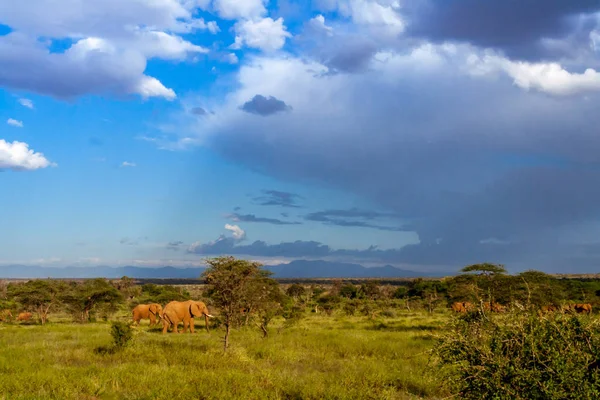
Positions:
(235, 285)
(38, 295)
(485, 269)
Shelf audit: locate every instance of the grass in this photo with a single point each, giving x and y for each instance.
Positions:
(321, 357)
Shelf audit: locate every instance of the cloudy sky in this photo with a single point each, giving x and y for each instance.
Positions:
(426, 134)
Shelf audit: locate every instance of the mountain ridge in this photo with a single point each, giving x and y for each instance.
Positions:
(294, 269)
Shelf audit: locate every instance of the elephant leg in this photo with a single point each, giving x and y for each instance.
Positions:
(166, 324)
(152, 320)
(185, 325)
(206, 321)
(192, 325)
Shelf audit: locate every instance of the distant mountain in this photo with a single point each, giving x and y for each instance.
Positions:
(330, 269)
(295, 269)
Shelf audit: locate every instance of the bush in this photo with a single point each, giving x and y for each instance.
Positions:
(522, 356)
(121, 333)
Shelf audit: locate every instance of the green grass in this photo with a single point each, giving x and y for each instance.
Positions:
(320, 357)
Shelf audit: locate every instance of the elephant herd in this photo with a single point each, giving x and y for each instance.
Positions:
(6, 315)
(172, 314)
(579, 308)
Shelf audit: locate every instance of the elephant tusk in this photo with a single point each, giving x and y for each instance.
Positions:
(209, 316)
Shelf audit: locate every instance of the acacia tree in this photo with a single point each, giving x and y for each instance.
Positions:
(37, 295)
(82, 299)
(235, 285)
(489, 276)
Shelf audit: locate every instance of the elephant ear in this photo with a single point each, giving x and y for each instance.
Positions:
(196, 310)
(153, 308)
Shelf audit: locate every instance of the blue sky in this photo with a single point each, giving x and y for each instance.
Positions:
(423, 134)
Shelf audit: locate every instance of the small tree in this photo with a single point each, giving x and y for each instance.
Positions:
(296, 290)
(97, 294)
(38, 296)
(232, 287)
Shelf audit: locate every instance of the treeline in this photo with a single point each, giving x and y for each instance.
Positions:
(266, 298)
(85, 301)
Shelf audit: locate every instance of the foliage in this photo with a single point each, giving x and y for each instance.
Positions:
(122, 333)
(236, 285)
(83, 300)
(37, 295)
(349, 291)
(296, 290)
(485, 268)
(523, 356)
(161, 294)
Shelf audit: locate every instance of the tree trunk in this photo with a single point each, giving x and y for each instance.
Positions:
(227, 329)
(264, 330)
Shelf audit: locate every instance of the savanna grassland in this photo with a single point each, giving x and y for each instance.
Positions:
(318, 357)
(524, 336)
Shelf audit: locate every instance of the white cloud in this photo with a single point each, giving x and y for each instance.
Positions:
(240, 9)
(156, 44)
(265, 34)
(152, 87)
(237, 232)
(26, 103)
(15, 123)
(550, 78)
(128, 164)
(379, 15)
(232, 58)
(18, 157)
(112, 41)
(213, 27)
(318, 25)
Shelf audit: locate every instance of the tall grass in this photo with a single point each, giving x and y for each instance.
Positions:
(319, 357)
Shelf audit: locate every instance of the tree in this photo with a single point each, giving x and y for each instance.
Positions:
(265, 298)
(486, 269)
(232, 284)
(38, 296)
(82, 299)
(296, 290)
(491, 277)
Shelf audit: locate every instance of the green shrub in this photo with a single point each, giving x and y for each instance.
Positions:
(121, 333)
(522, 357)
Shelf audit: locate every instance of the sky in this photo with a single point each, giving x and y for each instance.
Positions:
(424, 134)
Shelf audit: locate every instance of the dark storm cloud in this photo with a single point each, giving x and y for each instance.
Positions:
(455, 254)
(353, 56)
(515, 26)
(254, 218)
(468, 162)
(265, 106)
(353, 218)
(277, 198)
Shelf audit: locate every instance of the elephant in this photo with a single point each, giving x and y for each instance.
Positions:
(24, 316)
(462, 307)
(5, 315)
(184, 311)
(458, 307)
(147, 311)
(582, 308)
